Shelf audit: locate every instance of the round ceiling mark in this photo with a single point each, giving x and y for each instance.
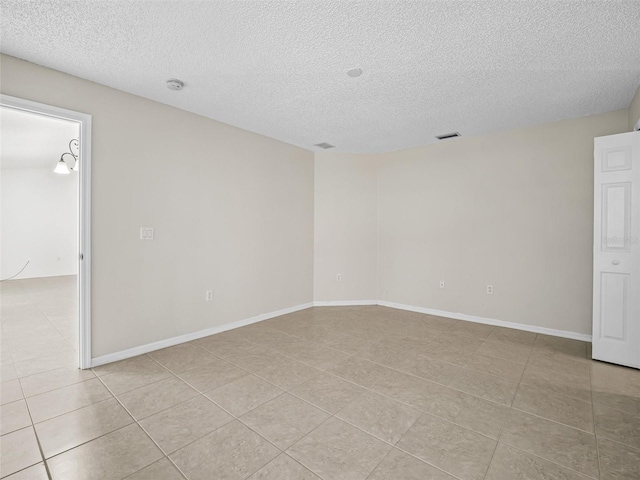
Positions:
(354, 72)
(175, 84)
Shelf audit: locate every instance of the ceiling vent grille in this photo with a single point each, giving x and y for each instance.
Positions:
(324, 145)
(447, 135)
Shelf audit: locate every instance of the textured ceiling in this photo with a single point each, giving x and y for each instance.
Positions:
(28, 140)
(279, 68)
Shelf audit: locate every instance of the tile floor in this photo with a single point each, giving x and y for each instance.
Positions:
(347, 393)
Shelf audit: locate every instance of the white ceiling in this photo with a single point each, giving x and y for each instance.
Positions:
(28, 140)
(279, 68)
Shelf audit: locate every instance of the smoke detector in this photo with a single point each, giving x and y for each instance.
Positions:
(175, 84)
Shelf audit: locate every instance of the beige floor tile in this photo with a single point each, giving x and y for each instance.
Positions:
(212, 375)
(63, 400)
(461, 452)
(286, 373)
(616, 387)
(253, 359)
(569, 385)
(557, 443)
(112, 456)
(35, 472)
(398, 358)
(618, 426)
(8, 372)
(284, 420)
(182, 357)
(146, 401)
(618, 462)
(67, 431)
(576, 366)
(229, 453)
(500, 334)
(543, 403)
(317, 356)
(180, 425)
(223, 346)
(10, 392)
(51, 380)
(328, 392)
(14, 416)
(244, 394)
(380, 416)
(509, 463)
(346, 343)
(338, 451)
(408, 389)
(565, 346)
(494, 366)
(161, 470)
(283, 468)
(505, 349)
(19, 450)
(497, 389)
(46, 363)
(400, 466)
(617, 401)
(131, 373)
(476, 331)
(469, 411)
(361, 372)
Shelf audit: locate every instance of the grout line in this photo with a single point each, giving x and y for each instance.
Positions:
(593, 414)
(504, 424)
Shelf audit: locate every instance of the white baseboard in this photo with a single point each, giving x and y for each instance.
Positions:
(343, 303)
(170, 342)
(489, 321)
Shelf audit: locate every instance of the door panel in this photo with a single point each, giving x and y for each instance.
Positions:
(616, 253)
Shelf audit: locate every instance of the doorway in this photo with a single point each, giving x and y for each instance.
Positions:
(46, 241)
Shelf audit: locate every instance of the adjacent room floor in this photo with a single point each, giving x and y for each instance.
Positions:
(328, 393)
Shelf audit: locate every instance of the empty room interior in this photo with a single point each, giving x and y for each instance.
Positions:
(329, 240)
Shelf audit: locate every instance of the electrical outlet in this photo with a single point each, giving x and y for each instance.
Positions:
(209, 295)
(339, 277)
(146, 233)
(441, 283)
(489, 289)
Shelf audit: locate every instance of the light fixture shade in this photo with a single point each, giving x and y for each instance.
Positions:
(62, 168)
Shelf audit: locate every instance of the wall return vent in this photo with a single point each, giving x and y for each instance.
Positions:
(448, 135)
(324, 145)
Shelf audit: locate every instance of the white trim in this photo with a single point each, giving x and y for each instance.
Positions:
(169, 342)
(84, 211)
(343, 303)
(489, 321)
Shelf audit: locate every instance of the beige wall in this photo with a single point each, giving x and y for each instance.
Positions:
(514, 210)
(634, 109)
(345, 227)
(232, 211)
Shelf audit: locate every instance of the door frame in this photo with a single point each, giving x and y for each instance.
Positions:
(84, 211)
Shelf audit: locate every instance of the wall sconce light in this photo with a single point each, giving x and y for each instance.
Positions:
(74, 151)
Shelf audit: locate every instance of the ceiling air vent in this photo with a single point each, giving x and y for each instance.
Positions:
(324, 145)
(447, 135)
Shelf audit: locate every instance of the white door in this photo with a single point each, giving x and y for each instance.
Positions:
(616, 249)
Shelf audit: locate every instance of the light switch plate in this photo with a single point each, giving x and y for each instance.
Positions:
(146, 233)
